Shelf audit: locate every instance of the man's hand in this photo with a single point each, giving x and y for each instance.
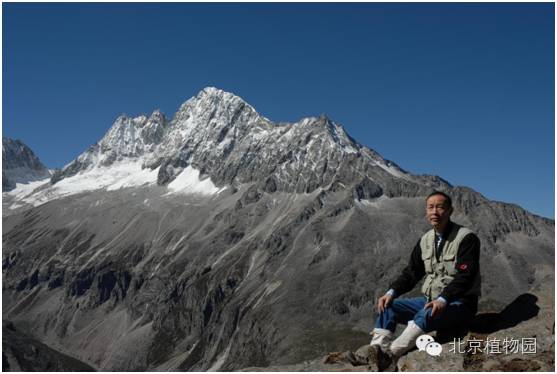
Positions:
(383, 302)
(437, 306)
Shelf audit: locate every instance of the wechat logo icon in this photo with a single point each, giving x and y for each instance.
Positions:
(428, 344)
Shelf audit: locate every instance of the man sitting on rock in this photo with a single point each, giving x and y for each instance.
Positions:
(448, 255)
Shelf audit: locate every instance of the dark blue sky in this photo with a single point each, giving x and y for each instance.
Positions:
(463, 91)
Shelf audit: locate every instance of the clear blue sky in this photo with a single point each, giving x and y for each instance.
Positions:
(463, 91)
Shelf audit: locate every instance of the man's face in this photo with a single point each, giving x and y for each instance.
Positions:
(438, 212)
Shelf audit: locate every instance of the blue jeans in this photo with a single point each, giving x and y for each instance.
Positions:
(404, 310)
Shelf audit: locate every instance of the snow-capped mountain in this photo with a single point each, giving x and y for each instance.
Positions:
(225, 138)
(219, 240)
(216, 141)
(20, 165)
(127, 140)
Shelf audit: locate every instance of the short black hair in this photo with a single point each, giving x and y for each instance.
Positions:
(447, 197)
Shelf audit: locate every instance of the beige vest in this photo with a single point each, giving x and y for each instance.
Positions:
(440, 273)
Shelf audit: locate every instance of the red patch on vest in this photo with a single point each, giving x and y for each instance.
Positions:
(463, 267)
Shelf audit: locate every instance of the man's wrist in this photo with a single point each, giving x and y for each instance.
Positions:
(442, 299)
(391, 292)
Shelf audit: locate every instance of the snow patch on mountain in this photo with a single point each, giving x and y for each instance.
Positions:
(189, 181)
(23, 190)
(118, 175)
(123, 174)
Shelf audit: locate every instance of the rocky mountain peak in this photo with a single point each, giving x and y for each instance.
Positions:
(226, 139)
(157, 117)
(131, 137)
(217, 95)
(336, 132)
(16, 154)
(20, 164)
(216, 107)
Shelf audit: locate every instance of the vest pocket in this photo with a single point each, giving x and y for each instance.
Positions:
(426, 258)
(449, 263)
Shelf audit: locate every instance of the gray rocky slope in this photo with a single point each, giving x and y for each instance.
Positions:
(282, 266)
(19, 164)
(24, 353)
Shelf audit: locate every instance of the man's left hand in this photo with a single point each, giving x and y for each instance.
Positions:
(437, 306)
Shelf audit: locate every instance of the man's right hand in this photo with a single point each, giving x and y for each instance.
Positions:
(383, 302)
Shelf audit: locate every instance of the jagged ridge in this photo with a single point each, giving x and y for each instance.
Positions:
(224, 138)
